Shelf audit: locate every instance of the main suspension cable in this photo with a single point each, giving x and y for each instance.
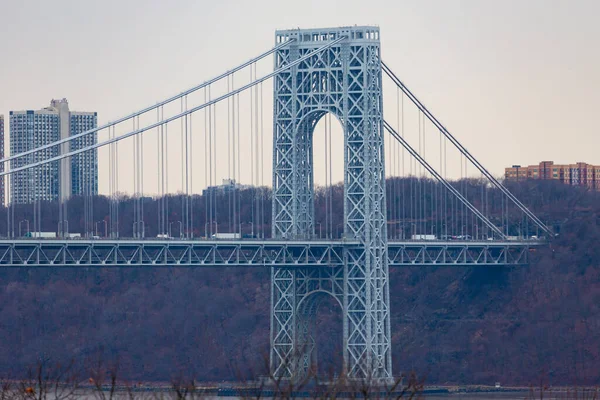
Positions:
(463, 150)
(159, 104)
(433, 172)
(177, 116)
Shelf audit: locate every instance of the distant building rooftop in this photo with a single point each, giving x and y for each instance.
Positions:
(577, 174)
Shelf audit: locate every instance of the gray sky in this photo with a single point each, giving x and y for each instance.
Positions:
(515, 80)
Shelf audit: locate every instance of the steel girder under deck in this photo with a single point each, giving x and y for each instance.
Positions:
(251, 253)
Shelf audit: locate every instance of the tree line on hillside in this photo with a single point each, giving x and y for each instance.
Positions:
(453, 325)
(414, 206)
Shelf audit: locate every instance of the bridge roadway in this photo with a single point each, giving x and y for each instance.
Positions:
(251, 253)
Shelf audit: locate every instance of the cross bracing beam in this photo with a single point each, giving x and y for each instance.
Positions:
(169, 253)
(152, 107)
(439, 254)
(462, 149)
(252, 253)
(177, 116)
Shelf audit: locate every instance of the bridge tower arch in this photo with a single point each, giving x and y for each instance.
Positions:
(344, 80)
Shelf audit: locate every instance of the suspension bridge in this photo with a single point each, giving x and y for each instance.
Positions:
(402, 204)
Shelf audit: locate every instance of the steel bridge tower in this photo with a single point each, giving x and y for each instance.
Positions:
(344, 80)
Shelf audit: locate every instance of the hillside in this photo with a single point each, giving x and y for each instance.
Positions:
(454, 325)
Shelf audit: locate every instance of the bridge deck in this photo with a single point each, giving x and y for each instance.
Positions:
(251, 253)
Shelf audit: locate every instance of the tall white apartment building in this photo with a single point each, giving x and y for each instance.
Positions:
(75, 175)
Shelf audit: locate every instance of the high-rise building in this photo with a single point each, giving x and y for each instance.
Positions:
(71, 176)
(578, 174)
(3, 178)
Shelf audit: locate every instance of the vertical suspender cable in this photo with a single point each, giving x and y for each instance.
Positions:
(33, 186)
(135, 182)
(419, 182)
(210, 172)
(462, 191)
(192, 176)
(159, 170)
(166, 175)
(239, 172)
(441, 205)
(214, 158)
(112, 184)
(262, 164)
(467, 185)
(187, 177)
(229, 176)
(393, 198)
(12, 211)
(445, 192)
(111, 181)
(465, 188)
(236, 221)
(206, 176)
(164, 172)
(256, 160)
(163, 128)
(328, 229)
(403, 194)
(116, 170)
(252, 118)
(182, 197)
(37, 182)
(400, 179)
(190, 171)
(142, 220)
(328, 122)
(412, 198)
(426, 209)
(8, 197)
(93, 183)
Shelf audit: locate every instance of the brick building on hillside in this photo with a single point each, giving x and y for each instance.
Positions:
(578, 174)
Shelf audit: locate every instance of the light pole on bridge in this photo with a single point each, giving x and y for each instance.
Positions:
(320, 231)
(251, 228)
(139, 229)
(337, 230)
(24, 220)
(63, 228)
(395, 224)
(206, 228)
(105, 227)
(180, 229)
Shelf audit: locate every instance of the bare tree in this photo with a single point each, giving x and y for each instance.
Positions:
(7, 389)
(49, 380)
(103, 379)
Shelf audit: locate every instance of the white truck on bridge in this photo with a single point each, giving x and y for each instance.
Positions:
(226, 236)
(423, 237)
(42, 235)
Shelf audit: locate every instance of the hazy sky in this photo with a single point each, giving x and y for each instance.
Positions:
(517, 81)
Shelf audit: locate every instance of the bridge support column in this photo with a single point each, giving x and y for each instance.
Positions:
(344, 80)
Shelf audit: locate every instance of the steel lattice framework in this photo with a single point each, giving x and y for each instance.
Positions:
(308, 254)
(344, 80)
